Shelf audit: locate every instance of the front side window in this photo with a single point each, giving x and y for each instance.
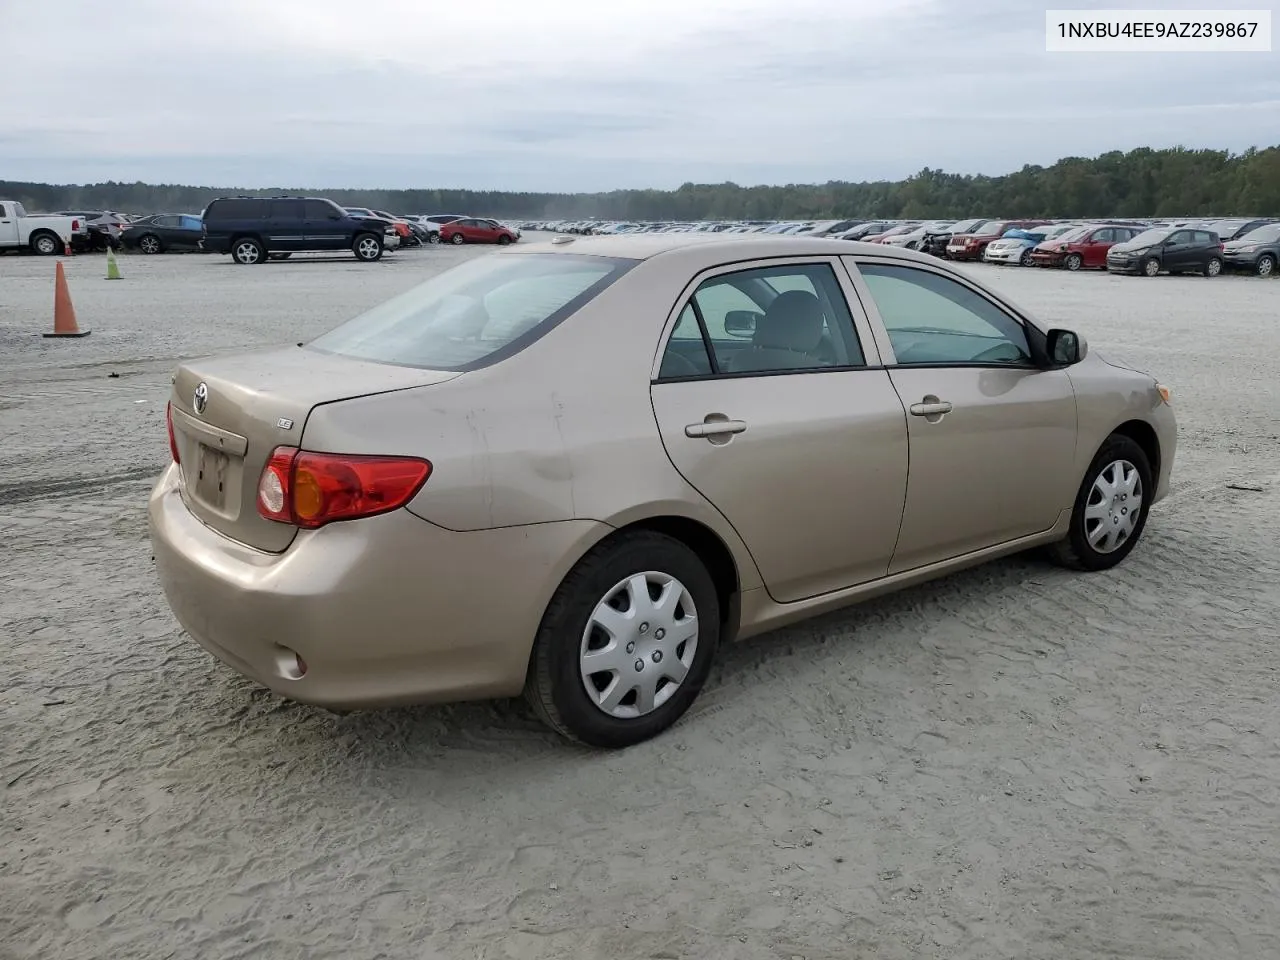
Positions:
(931, 318)
(475, 314)
(767, 320)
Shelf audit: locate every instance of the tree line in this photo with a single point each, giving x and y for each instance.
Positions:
(1140, 183)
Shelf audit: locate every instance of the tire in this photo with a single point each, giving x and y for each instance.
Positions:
(1076, 551)
(151, 244)
(457, 238)
(247, 251)
(1266, 266)
(280, 256)
(46, 244)
(367, 247)
(1151, 267)
(503, 240)
(1025, 260)
(1073, 262)
(556, 687)
(1213, 267)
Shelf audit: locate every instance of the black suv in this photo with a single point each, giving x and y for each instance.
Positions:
(253, 229)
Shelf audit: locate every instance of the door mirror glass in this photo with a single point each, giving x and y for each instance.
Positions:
(741, 323)
(1065, 347)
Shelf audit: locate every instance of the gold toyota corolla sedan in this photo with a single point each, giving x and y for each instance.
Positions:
(577, 468)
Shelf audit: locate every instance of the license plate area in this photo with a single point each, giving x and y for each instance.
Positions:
(213, 474)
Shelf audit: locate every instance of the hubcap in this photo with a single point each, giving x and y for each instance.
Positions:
(1114, 506)
(149, 245)
(247, 253)
(45, 244)
(368, 248)
(1152, 268)
(1265, 266)
(1215, 267)
(639, 644)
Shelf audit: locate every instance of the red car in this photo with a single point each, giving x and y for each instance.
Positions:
(475, 230)
(971, 246)
(1085, 247)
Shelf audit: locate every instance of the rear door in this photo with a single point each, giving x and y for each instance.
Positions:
(992, 436)
(771, 403)
(287, 228)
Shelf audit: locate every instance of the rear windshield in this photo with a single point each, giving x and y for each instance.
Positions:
(476, 313)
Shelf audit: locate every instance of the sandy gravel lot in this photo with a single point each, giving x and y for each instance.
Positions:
(1016, 762)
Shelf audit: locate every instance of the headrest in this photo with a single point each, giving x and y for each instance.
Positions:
(794, 321)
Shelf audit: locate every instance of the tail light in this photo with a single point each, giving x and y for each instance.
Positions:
(310, 489)
(75, 224)
(173, 441)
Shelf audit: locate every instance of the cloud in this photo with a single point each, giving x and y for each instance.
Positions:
(571, 95)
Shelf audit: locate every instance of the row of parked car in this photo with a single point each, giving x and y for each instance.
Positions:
(1147, 247)
(256, 229)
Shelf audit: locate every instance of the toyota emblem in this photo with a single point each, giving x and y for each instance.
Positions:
(200, 399)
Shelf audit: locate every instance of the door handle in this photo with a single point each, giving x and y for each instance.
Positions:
(932, 407)
(715, 428)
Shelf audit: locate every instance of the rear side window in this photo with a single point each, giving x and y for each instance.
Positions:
(475, 314)
(236, 210)
(287, 209)
(1203, 237)
(3, 211)
(190, 223)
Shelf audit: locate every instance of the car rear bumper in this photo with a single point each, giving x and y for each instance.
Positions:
(386, 610)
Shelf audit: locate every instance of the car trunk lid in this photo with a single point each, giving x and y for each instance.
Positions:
(229, 413)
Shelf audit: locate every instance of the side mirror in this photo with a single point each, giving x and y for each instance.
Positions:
(741, 323)
(1065, 347)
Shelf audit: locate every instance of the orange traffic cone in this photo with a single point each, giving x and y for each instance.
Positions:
(64, 314)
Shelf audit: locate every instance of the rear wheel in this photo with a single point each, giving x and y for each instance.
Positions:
(1151, 267)
(367, 247)
(1111, 507)
(626, 643)
(248, 251)
(150, 243)
(1213, 267)
(457, 238)
(46, 244)
(1073, 262)
(1266, 265)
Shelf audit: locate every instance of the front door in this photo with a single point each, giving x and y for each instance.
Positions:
(991, 435)
(8, 226)
(326, 226)
(1096, 247)
(770, 405)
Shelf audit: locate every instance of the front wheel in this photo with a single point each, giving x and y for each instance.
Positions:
(433, 237)
(1073, 262)
(626, 643)
(1025, 259)
(367, 247)
(1151, 267)
(456, 239)
(1111, 507)
(1266, 266)
(503, 240)
(1213, 267)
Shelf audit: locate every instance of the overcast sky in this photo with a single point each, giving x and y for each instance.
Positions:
(585, 95)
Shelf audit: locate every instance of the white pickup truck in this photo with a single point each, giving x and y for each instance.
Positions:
(46, 235)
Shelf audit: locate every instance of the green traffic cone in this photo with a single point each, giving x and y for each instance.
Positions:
(113, 268)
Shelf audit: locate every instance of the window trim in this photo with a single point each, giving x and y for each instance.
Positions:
(1037, 340)
(862, 329)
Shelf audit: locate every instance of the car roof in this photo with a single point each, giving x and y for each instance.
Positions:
(643, 246)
